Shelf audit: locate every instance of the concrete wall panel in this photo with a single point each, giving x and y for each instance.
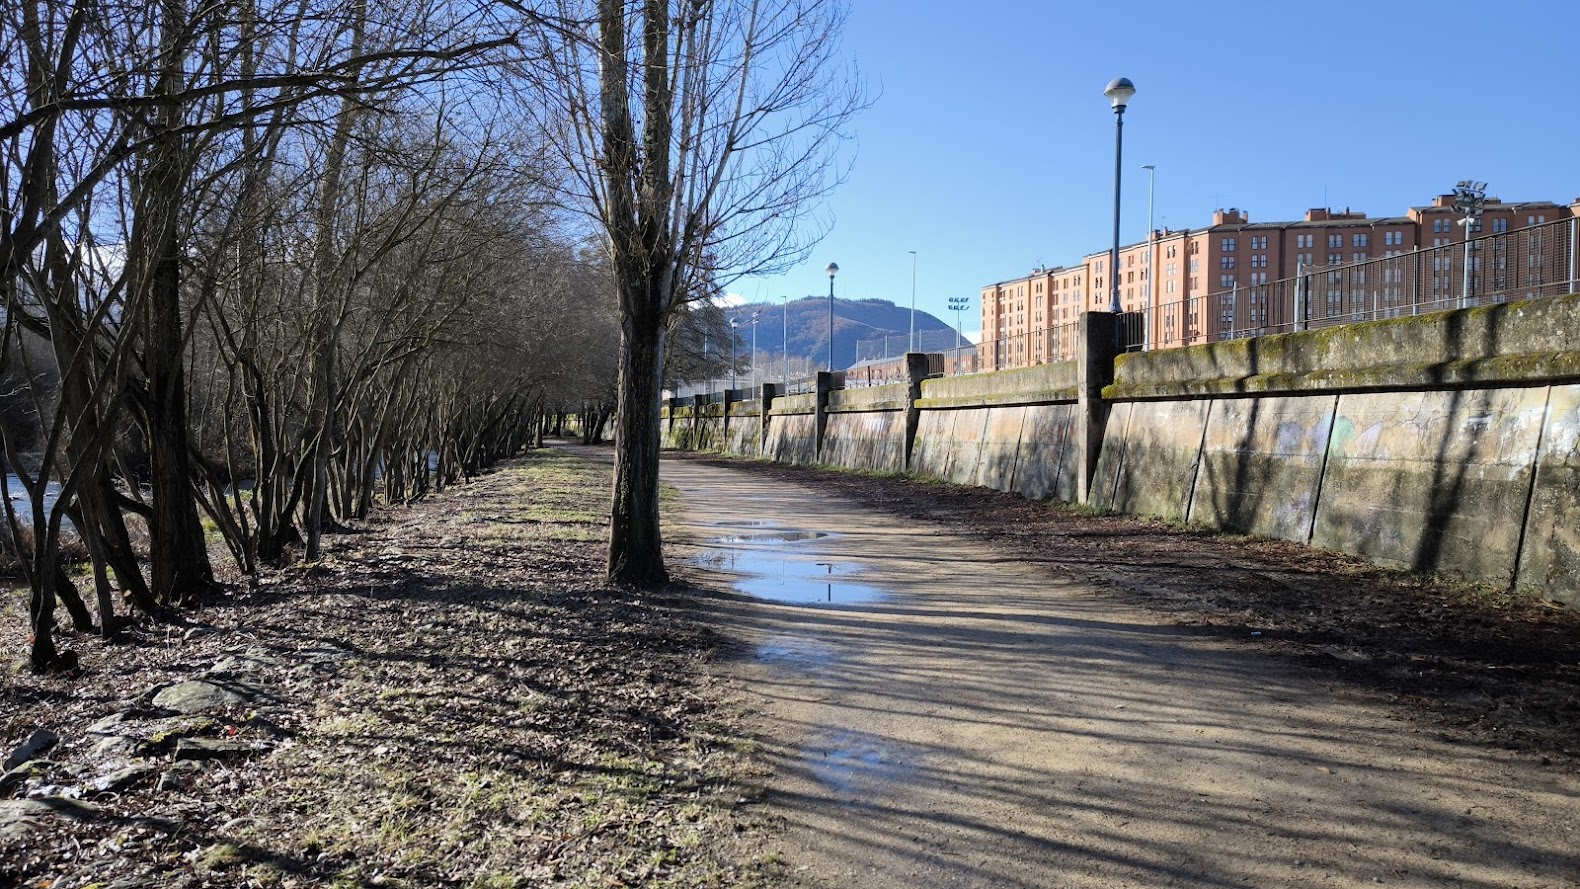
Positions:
(1432, 481)
(710, 434)
(1262, 464)
(1112, 455)
(744, 433)
(1001, 434)
(1045, 461)
(869, 440)
(1550, 560)
(965, 446)
(930, 455)
(792, 438)
(1162, 441)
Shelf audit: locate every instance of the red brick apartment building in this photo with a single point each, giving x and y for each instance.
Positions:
(1031, 320)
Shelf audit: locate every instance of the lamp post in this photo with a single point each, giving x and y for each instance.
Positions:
(756, 313)
(913, 302)
(1469, 198)
(833, 269)
(1152, 262)
(1119, 91)
(734, 383)
(784, 342)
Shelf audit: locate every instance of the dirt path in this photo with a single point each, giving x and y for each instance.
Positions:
(985, 723)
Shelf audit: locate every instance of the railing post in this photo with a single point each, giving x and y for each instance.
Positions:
(1415, 297)
(1234, 307)
(1300, 296)
(1574, 247)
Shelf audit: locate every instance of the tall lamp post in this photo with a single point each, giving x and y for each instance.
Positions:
(913, 300)
(1152, 262)
(784, 342)
(1470, 198)
(734, 383)
(833, 269)
(756, 313)
(1119, 91)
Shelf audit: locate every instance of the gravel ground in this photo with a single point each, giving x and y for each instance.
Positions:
(449, 698)
(958, 688)
(1487, 667)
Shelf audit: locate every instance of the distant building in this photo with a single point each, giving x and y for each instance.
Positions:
(1031, 320)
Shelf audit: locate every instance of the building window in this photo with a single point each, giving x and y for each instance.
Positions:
(1226, 262)
(1303, 241)
(1360, 240)
(1335, 242)
(1359, 257)
(1335, 258)
(1499, 226)
(1228, 245)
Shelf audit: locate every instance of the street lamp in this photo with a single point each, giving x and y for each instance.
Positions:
(913, 303)
(1119, 91)
(734, 383)
(833, 269)
(1152, 262)
(1470, 198)
(784, 342)
(755, 314)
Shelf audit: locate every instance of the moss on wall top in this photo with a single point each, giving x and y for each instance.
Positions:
(1529, 341)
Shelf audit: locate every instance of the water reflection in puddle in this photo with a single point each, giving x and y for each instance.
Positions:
(770, 537)
(848, 761)
(779, 577)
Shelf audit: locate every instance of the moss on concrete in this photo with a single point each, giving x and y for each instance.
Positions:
(1522, 342)
(1022, 385)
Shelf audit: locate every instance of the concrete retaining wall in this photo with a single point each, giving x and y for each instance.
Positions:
(1443, 443)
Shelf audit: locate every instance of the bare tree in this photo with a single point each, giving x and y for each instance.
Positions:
(700, 137)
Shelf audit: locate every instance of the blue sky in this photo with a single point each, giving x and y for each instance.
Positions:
(989, 147)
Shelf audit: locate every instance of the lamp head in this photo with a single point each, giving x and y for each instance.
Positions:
(833, 269)
(1119, 91)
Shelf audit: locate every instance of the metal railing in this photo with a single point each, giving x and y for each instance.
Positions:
(1525, 263)
(1046, 345)
(896, 344)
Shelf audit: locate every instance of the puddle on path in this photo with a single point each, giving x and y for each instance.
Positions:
(779, 574)
(849, 761)
(769, 537)
(795, 651)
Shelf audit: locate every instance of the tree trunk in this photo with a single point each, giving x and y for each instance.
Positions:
(176, 549)
(636, 551)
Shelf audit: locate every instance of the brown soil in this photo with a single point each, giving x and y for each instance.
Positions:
(1487, 667)
(959, 688)
(452, 699)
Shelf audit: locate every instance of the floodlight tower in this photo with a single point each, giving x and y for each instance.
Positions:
(959, 304)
